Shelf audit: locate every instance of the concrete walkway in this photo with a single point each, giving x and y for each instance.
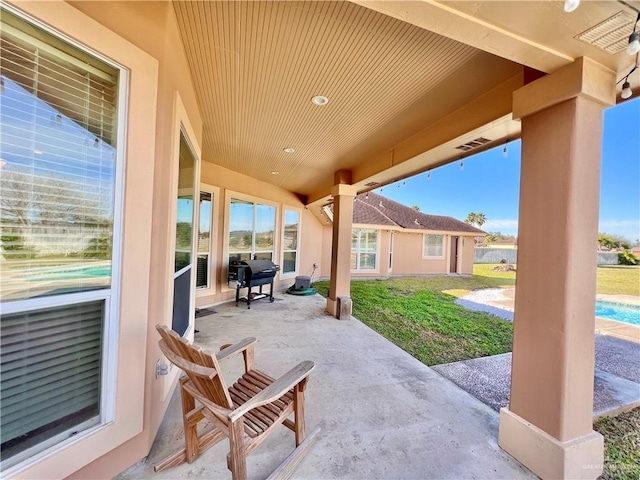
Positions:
(617, 374)
(383, 413)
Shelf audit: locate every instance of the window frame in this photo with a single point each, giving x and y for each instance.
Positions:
(215, 200)
(229, 195)
(111, 295)
(358, 250)
(283, 274)
(442, 246)
(392, 235)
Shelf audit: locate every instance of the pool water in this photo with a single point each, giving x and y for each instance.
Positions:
(72, 273)
(619, 312)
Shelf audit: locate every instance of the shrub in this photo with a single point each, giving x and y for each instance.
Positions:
(627, 258)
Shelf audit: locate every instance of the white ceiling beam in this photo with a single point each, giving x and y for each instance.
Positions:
(441, 18)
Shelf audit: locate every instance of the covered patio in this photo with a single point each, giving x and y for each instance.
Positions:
(383, 414)
(232, 127)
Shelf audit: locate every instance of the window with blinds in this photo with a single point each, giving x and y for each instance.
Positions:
(434, 246)
(58, 175)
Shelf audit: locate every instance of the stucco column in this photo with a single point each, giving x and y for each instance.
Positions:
(339, 284)
(548, 425)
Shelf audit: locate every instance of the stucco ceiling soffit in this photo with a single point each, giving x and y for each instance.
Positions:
(451, 130)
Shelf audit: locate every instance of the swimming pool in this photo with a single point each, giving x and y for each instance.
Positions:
(89, 271)
(619, 312)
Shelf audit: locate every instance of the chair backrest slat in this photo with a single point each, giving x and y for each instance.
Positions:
(212, 388)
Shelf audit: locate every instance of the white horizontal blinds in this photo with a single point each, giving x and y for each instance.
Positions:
(433, 245)
(57, 142)
(50, 372)
(61, 81)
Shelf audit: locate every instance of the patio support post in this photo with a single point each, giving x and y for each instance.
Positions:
(340, 282)
(549, 423)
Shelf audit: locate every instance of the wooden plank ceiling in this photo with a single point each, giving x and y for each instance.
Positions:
(256, 66)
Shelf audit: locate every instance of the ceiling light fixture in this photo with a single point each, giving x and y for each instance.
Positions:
(275, 172)
(634, 39)
(288, 150)
(461, 164)
(320, 100)
(366, 196)
(571, 5)
(505, 150)
(428, 174)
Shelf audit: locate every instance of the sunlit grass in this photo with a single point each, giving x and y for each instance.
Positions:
(416, 314)
(621, 445)
(619, 280)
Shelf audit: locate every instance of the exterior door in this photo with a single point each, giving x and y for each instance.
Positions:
(184, 278)
(453, 258)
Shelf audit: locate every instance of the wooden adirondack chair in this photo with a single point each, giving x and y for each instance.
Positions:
(245, 413)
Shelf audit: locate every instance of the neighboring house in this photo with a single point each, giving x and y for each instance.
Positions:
(389, 238)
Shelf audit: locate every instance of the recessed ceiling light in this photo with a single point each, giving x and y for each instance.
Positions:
(288, 150)
(320, 100)
(275, 172)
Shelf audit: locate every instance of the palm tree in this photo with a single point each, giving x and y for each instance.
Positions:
(476, 219)
(415, 207)
(471, 218)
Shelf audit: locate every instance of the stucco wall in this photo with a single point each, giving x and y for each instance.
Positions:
(407, 256)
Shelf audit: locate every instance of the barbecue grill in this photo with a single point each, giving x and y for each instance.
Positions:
(249, 274)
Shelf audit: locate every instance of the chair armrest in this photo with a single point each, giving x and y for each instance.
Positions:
(274, 391)
(236, 348)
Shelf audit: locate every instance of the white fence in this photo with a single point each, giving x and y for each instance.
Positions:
(510, 255)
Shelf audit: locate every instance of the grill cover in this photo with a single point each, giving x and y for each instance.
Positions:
(260, 268)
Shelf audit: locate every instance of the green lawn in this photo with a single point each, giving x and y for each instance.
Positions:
(621, 445)
(619, 279)
(420, 316)
(612, 279)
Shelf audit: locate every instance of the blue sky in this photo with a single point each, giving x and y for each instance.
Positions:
(489, 182)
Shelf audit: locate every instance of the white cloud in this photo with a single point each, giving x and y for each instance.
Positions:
(500, 224)
(620, 224)
(627, 228)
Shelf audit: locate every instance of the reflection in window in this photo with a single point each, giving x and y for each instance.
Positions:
(364, 249)
(184, 215)
(433, 246)
(58, 110)
(204, 239)
(290, 241)
(251, 230)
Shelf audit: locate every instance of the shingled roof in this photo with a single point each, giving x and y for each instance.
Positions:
(374, 209)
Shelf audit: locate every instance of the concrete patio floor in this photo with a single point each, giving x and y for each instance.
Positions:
(383, 414)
